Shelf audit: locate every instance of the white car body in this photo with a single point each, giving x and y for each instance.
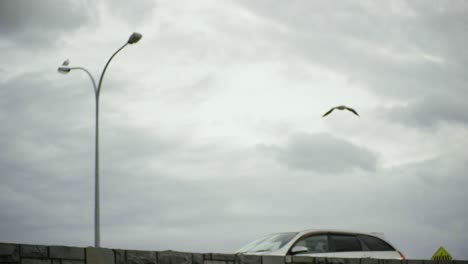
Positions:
(254, 248)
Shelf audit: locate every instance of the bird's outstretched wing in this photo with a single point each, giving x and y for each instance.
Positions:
(352, 110)
(329, 111)
(66, 62)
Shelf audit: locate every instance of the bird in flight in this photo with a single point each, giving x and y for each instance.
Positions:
(341, 107)
(66, 62)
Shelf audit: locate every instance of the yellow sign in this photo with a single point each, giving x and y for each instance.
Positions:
(441, 254)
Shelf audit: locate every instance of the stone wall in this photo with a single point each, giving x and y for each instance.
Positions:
(39, 254)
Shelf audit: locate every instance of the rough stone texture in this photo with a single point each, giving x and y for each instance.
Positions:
(273, 260)
(197, 258)
(225, 257)
(321, 261)
(344, 261)
(35, 261)
(302, 259)
(414, 261)
(99, 256)
(390, 261)
(248, 259)
(60, 252)
(141, 257)
(37, 254)
(370, 261)
(119, 256)
(9, 253)
(215, 262)
(174, 257)
(66, 261)
(439, 262)
(34, 251)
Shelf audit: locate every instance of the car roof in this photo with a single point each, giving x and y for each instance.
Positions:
(349, 232)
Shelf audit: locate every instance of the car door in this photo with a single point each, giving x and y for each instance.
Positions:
(346, 246)
(378, 248)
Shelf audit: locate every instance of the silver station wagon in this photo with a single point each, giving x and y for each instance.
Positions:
(324, 243)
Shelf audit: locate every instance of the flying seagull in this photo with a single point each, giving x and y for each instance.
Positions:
(66, 62)
(341, 107)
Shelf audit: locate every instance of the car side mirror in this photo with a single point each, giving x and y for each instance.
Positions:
(299, 249)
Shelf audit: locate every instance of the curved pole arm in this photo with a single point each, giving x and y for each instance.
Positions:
(90, 76)
(104, 70)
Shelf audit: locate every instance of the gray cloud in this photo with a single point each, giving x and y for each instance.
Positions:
(429, 112)
(323, 153)
(42, 22)
(402, 52)
(134, 14)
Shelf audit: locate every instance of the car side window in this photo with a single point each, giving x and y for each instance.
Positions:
(314, 244)
(375, 244)
(345, 243)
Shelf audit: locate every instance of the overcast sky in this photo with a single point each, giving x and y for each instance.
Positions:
(211, 130)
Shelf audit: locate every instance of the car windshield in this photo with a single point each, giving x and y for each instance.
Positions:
(268, 243)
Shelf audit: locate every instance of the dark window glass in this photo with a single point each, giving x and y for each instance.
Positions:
(375, 244)
(314, 244)
(345, 243)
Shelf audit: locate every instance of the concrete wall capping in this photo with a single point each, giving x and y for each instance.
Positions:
(224, 257)
(174, 257)
(140, 257)
(34, 251)
(197, 258)
(71, 253)
(345, 261)
(217, 262)
(246, 259)
(67, 261)
(9, 253)
(39, 254)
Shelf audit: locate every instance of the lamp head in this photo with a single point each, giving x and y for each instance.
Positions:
(134, 38)
(64, 69)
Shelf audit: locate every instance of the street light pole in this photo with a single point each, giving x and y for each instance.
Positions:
(134, 38)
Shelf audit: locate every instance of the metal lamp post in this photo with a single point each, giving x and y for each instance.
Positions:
(134, 38)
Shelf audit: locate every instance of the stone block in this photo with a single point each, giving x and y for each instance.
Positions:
(215, 262)
(391, 261)
(9, 252)
(99, 256)
(439, 262)
(119, 255)
(273, 260)
(248, 259)
(61, 252)
(207, 256)
(34, 251)
(320, 260)
(370, 261)
(174, 257)
(35, 261)
(302, 259)
(416, 261)
(224, 257)
(68, 261)
(344, 261)
(140, 257)
(56, 261)
(197, 258)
